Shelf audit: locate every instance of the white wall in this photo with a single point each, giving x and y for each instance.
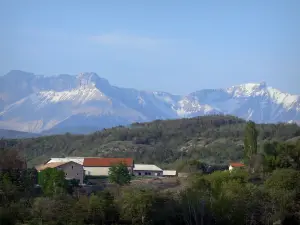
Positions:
(98, 171)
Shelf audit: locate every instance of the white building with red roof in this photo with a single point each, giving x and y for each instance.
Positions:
(100, 166)
(234, 165)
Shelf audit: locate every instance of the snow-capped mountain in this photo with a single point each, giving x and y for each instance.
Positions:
(87, 102)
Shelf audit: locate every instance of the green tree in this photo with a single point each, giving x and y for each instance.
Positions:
(80, 211)
(102, 208)
(136, 205)
(250, 141)
(119, 174)
(52, 181)
(282, 155)
(52, 211)
(283, 188)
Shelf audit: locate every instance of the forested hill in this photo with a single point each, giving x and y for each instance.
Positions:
(212, 139)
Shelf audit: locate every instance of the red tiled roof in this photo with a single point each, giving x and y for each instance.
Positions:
(106, 162)
(237, 164)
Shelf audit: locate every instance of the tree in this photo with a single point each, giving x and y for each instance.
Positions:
(52, 181)
(137, 205)
(119, 174)
(283, 188)
(11, 159)
(250, 141)
(102, 208)
(80, 210)
(50, 211)
(282, 155)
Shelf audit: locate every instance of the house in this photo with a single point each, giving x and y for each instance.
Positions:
(100, 166)
(235, 165)
(169, 173)
(147, 170)
(71, 169)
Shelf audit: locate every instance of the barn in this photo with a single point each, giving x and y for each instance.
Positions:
(100, 166)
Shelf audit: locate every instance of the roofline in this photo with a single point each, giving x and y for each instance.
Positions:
(104, 166)
(47, 161)
(71, 162)
(62, 164)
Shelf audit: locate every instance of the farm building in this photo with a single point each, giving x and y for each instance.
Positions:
(71, 169)
(169, 173)
(235, 165)
(147, 170)
(100, 166)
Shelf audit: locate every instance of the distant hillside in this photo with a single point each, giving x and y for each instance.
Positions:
(16, 134)
(213, 139)
(70, 129)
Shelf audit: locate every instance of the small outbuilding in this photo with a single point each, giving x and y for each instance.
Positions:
(235, 165)
(169, 173)
(147, 170)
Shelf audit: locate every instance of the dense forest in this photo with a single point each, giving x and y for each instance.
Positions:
(212, 139)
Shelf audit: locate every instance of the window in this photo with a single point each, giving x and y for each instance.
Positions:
(72, 167)
(140, 174)
(77, 174)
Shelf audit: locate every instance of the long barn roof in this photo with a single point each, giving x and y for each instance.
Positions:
(106, 162)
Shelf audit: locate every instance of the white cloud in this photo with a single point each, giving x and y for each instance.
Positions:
(126, 40)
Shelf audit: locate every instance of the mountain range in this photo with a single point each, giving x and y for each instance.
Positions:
(86, 103)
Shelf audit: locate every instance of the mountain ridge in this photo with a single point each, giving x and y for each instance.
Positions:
(38, 103)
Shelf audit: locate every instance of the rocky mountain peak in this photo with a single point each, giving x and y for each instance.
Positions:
(45, 102)
(91, 79)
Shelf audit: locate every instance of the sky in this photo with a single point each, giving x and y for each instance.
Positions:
(171, 45)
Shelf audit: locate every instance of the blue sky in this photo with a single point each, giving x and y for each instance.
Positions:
(170, 45)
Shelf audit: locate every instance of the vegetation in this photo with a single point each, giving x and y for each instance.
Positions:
(213, 139)
(269, 193)
(250, 140)
(119, 174)
(239, 197)
(52, 181)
